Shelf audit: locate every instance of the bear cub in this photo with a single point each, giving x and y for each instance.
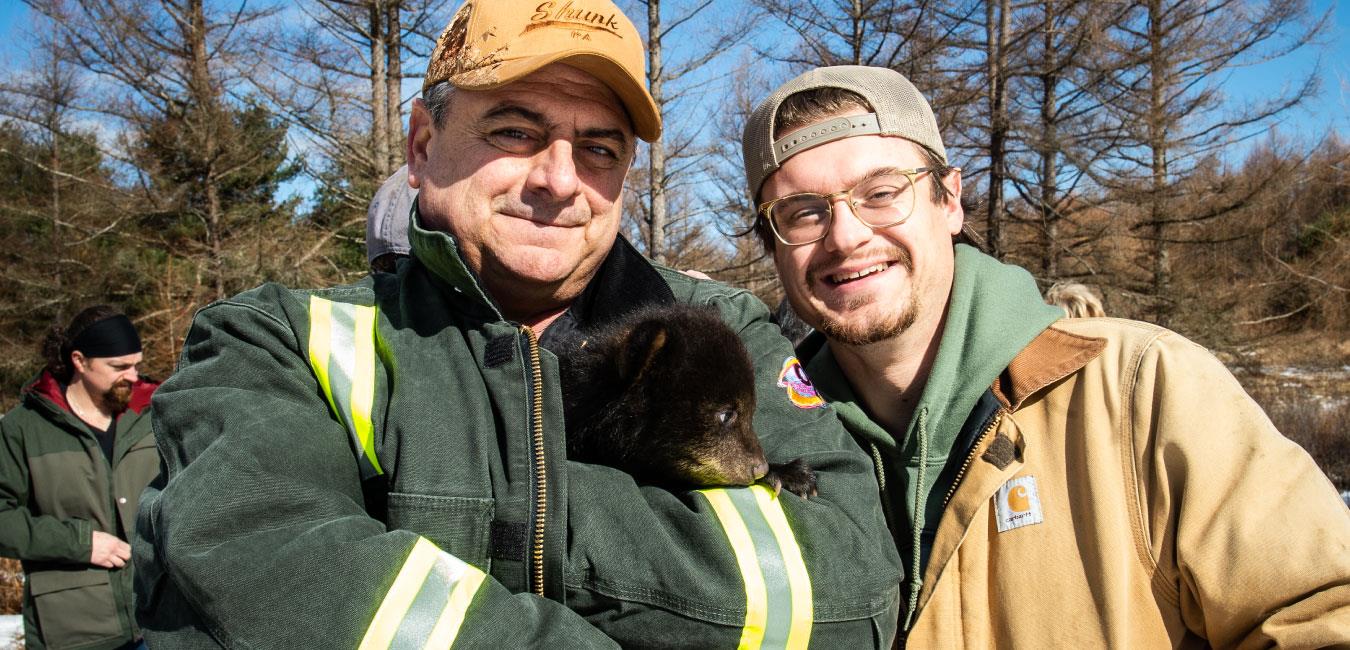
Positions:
(668, 394)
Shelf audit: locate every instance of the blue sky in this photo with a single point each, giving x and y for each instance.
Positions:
(1331, 109)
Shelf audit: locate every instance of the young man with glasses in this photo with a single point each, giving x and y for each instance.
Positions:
(1048, 482)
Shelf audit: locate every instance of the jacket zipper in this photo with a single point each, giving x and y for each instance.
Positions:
(951, 491)
(540, 468)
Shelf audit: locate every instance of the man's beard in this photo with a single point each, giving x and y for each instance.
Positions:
(854, 330)
(117, 398)
(868, 332)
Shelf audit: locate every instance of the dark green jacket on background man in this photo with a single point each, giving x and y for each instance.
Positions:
(57, 487)
(384, 463)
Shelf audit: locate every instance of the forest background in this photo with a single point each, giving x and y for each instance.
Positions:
(1185, 158)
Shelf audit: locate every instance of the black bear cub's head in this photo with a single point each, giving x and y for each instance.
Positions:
(668, 396)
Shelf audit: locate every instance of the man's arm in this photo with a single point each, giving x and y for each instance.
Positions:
(687, 558)
(1245, 527)
(260, 536)
(24, 535)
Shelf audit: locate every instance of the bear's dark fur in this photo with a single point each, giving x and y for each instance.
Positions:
(668, 395)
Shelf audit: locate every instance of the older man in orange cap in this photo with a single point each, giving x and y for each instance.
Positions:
(384, 464)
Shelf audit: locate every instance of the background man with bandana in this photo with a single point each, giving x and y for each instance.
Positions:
(74, 457)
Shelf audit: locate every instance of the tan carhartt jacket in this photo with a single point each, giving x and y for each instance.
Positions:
(1145, 501)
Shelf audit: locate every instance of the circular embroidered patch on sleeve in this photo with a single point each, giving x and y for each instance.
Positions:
(800, 391)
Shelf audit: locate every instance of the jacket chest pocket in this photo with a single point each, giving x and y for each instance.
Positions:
(67, 485)
(75, 607)
(460, 526)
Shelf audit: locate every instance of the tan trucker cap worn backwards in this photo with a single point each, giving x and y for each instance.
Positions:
(897, 109)
(491, 43)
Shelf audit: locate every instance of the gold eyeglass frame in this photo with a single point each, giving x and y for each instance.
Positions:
(910, 174)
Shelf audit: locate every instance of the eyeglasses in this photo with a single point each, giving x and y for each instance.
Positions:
(879, 202)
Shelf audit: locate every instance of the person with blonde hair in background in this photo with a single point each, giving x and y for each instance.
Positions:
(1077, 300)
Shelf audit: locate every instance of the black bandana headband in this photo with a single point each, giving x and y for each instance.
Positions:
(113, 336)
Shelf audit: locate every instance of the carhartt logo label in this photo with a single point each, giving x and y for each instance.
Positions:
(1017, 504)
(570, 15)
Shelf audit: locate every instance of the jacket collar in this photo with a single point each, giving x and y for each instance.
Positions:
(439, 253)
(1050, 357)
(625, 283)
(46, 388)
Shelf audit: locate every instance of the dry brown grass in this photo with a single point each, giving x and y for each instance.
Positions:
(11, 587)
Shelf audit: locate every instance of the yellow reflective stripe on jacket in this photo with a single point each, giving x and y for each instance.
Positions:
(342, 354)
(427, 602)
(778, 606)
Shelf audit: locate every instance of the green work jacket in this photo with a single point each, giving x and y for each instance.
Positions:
(56, 488)
(384, 465)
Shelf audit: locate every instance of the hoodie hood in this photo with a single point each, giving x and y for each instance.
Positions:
(995, 311)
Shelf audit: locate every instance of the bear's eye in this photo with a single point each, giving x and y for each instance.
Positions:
(726, 417)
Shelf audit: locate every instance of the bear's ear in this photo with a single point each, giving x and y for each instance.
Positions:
(641, 347)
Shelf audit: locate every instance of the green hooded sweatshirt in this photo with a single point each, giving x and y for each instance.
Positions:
(994, 311)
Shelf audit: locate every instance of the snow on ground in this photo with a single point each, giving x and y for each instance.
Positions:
(1297, 372)
(10, 626)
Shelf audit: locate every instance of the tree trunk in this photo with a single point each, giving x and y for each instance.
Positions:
(656, 177)
(379, 90)
(855, 43)
(996, 29)
(1049, 146)
(394, 81)
(57, 241)
(203, 95)
(1157, 135)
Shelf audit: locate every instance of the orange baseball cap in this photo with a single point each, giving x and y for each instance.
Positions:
(491, 43)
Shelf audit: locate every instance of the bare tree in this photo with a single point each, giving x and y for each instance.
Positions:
(924, 40)
(173, 64)
(998, 17)
(681, 80)
(1171, 105)
(726, 196)
(60, 204)
(42, 102)
(1059, 132)
(335, 72)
